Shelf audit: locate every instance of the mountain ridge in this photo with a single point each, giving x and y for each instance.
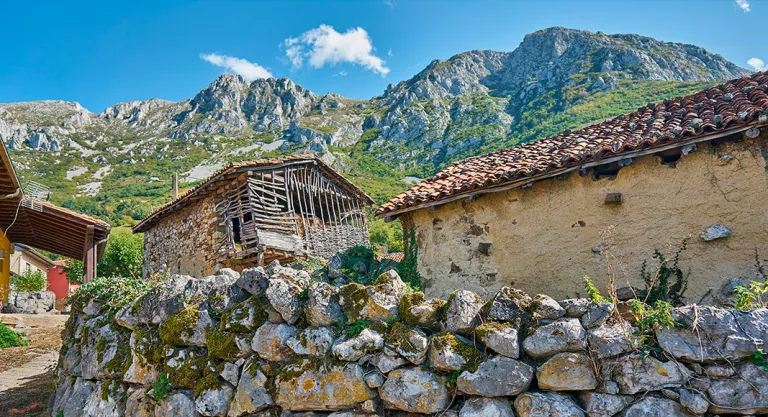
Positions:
(115, 164)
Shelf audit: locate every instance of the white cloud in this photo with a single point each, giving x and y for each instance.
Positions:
(389, 53)
(340, 74)
(324, 45)
(757, 64)
(744, 5)
(248, 70)
(389, 3)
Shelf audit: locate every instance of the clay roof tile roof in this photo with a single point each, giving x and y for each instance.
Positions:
(728, 106)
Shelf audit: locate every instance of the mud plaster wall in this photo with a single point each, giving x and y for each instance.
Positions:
(183, 242)
(541, 239)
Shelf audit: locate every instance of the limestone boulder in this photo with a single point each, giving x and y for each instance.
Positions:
(564, 335)
(308, 386)
(744, 394)
(246, 316)
(230, 372)
(178, 291)
(416, 310)
(497, 377)
(597, 404)
(450, 352)
(185, 366)
(693, 401)
(612, 340)
(546, 308)
(510, 305)
(567, 371)
(575, 307)
(72, 395)
(486, 407)
(731, 335)
(597, 314)
(106, 400)
(214, 402)
(253, 280)
(323, 308)
(409, 342)
(353, 348)
(295, 276)
(146, 357)
(252, 393)
(270, 341)
(502, 338)
(634, 373)
(416, 391)
(176, 404)
(127, 317)
(139, 403)
(105, 350)
(655, 406)
(285, 297)
(379, 302)
(462, 312)
(312, 341)
(386, 362)
(546, 404)
(186, 327)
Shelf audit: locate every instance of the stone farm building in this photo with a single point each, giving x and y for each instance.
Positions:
(253, 212)
(542, 215)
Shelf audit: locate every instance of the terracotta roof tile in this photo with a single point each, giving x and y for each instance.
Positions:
(731, 105)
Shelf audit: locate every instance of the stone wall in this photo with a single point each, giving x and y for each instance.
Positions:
(39, 302)
(280, 342)
(183, 242)
(546, 238)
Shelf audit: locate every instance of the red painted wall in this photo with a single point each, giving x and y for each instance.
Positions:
(57, 281)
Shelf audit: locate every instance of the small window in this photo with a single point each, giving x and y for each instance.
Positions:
(236, 230)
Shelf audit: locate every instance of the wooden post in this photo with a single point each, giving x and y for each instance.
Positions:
(175, 182)
(89, 255)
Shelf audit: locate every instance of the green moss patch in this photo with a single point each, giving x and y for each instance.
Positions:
(221, 345)
(181, 324)
(240, 313)
(447, 340)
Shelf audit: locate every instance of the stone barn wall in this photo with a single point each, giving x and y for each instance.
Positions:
(546, 238)
(183, 242)
(279, 342)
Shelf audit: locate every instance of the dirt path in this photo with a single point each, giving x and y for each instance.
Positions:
(26, 373)
(39, 365)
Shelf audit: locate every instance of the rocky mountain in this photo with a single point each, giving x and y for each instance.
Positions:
(116, 164)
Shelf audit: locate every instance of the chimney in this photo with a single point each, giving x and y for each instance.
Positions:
(175, 186)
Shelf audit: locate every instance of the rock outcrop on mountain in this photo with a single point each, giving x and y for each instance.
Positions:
(468, 104)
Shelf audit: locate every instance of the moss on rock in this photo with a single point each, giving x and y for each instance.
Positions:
(178, 325)
(239, 319)
(448, 341)
(221, 345)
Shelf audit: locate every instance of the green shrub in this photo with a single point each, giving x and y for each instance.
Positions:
(650, 318)
(385, 237)
(752, 297)
(161, 387)
(9, 338)
(593, 293)
(29, 281)
(123, 257)
(659, 285)
(113, 293)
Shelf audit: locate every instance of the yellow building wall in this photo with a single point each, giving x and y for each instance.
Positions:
(5, 268)
(546, 238)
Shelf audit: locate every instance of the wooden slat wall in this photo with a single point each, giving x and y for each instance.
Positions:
(292, 209)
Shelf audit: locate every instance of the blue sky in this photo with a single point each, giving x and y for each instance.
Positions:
(100, 53)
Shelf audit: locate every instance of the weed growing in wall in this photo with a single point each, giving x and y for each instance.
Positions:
(113, 293)
(668, 282)
(29, 281)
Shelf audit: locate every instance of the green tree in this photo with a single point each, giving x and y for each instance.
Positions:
(123, 257)
(385, 237)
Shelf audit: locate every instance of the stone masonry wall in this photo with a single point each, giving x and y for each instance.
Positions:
(279, 342)
(545, 238)
(183, 242)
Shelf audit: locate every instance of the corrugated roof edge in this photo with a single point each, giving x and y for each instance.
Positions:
(181, 202)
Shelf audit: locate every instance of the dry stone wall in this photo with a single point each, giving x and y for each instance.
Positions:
(280, 342)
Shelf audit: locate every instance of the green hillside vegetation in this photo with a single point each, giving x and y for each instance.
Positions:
(127, 195)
